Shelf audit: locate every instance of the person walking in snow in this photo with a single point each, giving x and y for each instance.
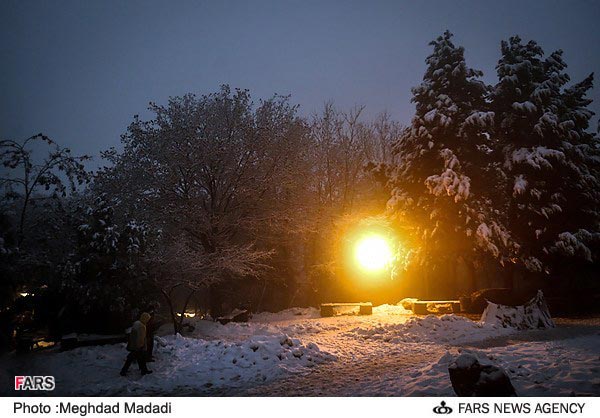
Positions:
(137, 345)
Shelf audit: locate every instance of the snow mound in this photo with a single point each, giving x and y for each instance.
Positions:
(431, 380)
(445, 329)
(258, 358)
(206, 329)
(392, 309)
(188, 365)
(310, 328)
(434, 379)
(286, 314)
(534, 314)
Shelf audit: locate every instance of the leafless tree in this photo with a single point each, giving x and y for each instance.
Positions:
(26, 181)
(219, 176)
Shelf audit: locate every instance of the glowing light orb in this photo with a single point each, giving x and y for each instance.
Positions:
(373, 253)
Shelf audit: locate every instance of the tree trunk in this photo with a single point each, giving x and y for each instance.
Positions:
(262, 295)
(185, 305)
(167, 296)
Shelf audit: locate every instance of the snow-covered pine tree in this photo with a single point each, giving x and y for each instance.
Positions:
(550, 158)
(580, 234)
(443, 183)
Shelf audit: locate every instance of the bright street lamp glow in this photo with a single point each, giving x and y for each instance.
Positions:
(373, 253)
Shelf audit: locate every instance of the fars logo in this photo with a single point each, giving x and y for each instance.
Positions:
(442, 408)
(34, 383)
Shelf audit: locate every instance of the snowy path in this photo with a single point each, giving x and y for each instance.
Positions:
(563, 361)
(363, 367)
(370, 376)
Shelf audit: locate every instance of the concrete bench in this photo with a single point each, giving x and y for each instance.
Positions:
(364, 308)
(424, 307)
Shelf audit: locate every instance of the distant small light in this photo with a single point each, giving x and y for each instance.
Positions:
(187, 314)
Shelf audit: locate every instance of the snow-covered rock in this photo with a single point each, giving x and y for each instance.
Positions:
(471, 378)
(541, 368)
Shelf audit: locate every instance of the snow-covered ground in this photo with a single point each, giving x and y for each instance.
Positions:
(184, 364)
(296, 352)
(568, 367)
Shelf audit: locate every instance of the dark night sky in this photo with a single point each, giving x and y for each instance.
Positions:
(80, 70)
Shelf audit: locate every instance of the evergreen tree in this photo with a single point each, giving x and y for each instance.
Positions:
(106, 273)
(443, 182)
(550, 159)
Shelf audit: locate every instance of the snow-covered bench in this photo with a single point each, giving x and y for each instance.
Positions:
(424, 307)
(364, 308)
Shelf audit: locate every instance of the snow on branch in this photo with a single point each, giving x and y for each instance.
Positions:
(484, 239)
(449, 182)
(536, 157)
(520, 185)
(480, 119)
(533, 264)
(547, 122)
(489, 237)
(525, 107)
(434, 116)
(576, 245)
